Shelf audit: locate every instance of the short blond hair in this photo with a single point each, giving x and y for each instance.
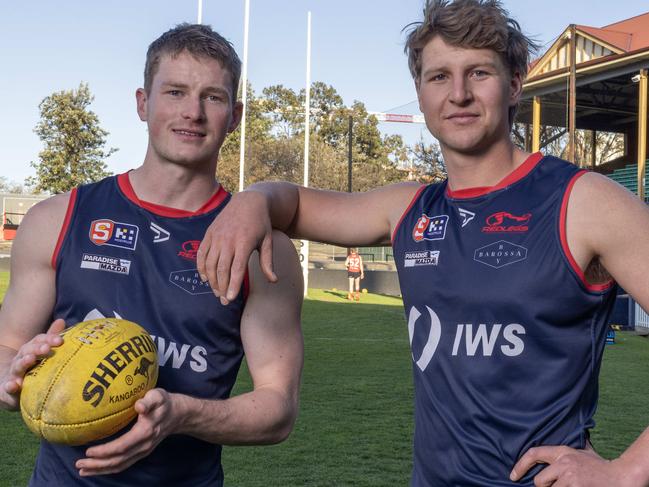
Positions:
(475, 24)
(199, 41)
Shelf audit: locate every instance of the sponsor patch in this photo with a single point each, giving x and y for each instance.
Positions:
(106, 263)
(190, 282)
(430, 228)
(505, 222)
(114, 234)
(466, 216)
(190, 249)
(421, 257)
(500, 254)
(159, 233)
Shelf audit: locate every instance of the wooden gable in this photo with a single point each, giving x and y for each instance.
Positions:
(557, 57)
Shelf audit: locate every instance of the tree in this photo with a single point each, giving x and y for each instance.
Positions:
(275, 142)
(285, 109)
(258, 132)
(7, 186)
(554, 141)
(74, 142)
(428, 163)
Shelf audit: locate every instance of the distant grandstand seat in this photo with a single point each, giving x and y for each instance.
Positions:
(628, 177)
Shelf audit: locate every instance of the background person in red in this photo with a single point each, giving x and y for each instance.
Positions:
(355, 273)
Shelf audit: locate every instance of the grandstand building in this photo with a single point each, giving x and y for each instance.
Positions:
(590, 81)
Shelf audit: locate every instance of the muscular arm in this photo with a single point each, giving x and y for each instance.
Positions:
(606, 226)
(28, 304)
(609, 224)
(272, 341)
(346, 219)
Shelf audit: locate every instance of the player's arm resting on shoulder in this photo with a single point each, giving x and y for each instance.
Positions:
(272, 340)
(609, 225)
(29, 301)
(346, 219)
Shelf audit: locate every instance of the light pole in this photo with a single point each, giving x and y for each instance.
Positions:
(244, 94)
(304, 248)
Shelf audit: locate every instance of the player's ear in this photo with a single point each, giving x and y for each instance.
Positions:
(237, 112)
(515, 88)
(141, 99)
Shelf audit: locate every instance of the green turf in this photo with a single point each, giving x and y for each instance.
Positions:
(4, 284)
(622, 412)
(355, 422)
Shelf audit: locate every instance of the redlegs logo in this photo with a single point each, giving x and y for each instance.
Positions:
(503, 221)
(190, 249)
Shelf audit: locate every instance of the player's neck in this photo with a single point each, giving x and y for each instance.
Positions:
(484, 170)
(173, 186)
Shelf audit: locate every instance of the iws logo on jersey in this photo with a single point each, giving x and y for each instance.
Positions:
(159, 233)
(481, 340)
(190, 249)
(500, 254)
(180, 355)
(105, 263)
(170, 353)
(466, 216)
(434, 334)
(114, 234)
(190, 282)
(430, 228)
(420, 257)
(505, 222)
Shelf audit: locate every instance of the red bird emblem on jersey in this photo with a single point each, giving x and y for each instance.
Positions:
(504, 221)
(190, 249)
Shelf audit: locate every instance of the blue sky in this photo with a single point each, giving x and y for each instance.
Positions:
(357, 46)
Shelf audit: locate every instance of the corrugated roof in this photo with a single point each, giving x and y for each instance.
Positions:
(621, 40)
(628, 35)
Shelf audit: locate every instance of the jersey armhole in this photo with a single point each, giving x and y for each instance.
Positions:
(64, 227)
(403, 215)
(564, 241)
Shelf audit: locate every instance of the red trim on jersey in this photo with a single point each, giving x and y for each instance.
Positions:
(516, 175)
(64, 227)
(564, 239)
(214, 201)
(403, 215)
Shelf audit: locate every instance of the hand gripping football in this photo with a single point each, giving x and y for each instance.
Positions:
(85, 390)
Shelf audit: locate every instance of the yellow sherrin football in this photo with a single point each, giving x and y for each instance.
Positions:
(85, 390)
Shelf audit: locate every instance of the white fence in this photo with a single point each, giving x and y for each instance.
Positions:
(641, 318)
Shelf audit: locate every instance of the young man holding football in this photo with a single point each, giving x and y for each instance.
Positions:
(507, 269)
(150, 221)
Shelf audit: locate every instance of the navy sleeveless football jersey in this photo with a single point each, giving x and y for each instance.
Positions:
(506, 334)
(121, 257)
